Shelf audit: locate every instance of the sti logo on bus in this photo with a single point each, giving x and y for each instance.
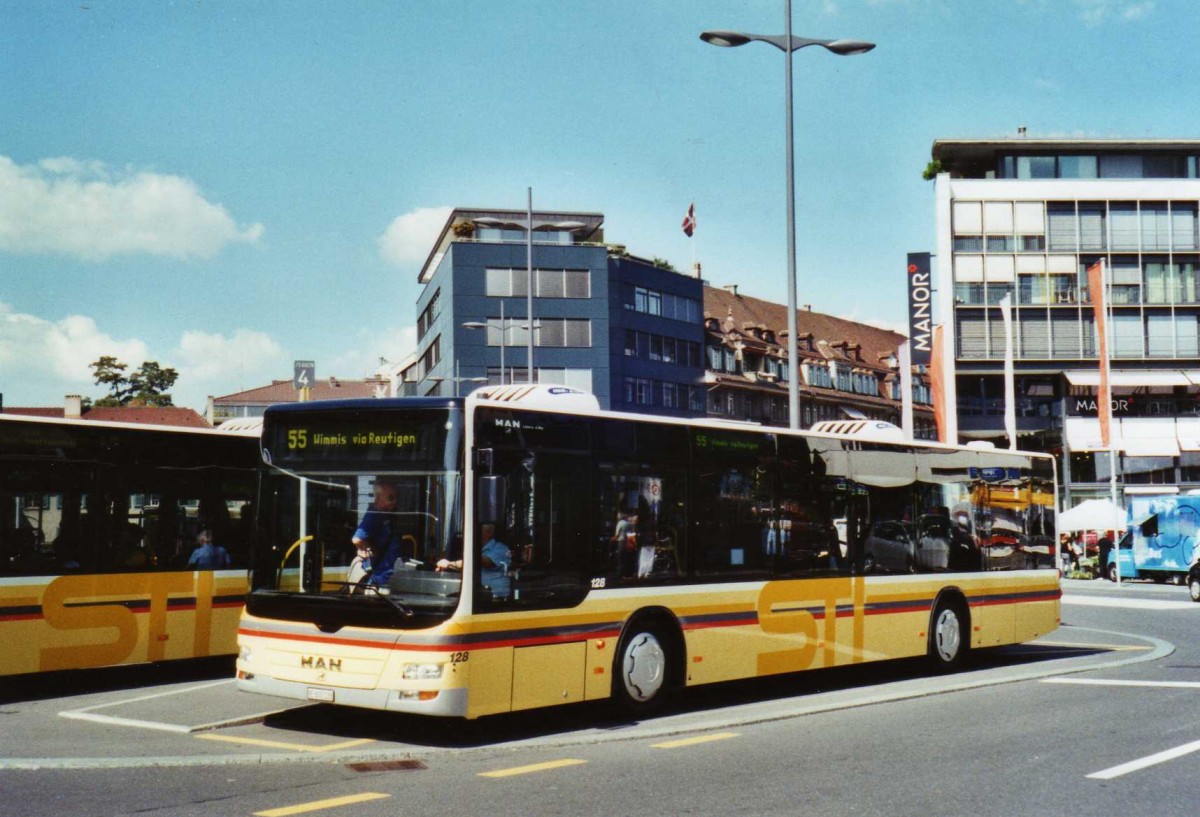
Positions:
(320, 662)
(920, 308)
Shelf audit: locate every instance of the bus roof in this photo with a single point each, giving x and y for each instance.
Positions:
(102, 424)
(536, 400)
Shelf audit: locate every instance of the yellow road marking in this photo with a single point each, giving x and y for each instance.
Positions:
(317, 805)
(275, 744)
(675, 744)
(534, 767)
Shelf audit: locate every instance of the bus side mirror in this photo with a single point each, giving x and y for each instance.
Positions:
(489, 500)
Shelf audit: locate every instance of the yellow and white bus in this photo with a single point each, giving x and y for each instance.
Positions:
(98, 522)
(640, 555)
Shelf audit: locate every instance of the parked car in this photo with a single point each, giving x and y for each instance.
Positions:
(890, 546)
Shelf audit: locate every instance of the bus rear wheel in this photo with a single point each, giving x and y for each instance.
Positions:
(643, 675)
(948, 636)
(1193, 584)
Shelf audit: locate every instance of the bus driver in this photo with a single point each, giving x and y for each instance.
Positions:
(378, 538)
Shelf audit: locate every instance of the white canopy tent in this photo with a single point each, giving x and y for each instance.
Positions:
(1093, 514)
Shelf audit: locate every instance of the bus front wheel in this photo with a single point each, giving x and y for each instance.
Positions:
(643, 677)
(948, 635)
(1193, 584)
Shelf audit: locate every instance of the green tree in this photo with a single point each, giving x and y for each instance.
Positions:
(148, 385)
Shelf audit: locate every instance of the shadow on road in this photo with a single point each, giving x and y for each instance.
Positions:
(604, 716)
(66, 683)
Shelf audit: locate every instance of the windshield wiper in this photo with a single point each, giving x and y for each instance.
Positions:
(373, 590)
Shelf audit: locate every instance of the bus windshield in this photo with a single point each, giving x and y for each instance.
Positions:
(355, 512)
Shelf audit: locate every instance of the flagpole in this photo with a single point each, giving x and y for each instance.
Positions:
(1010, 407)
(693, 241)
(1112, 439)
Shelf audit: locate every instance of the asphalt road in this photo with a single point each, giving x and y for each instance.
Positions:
(1099, 718)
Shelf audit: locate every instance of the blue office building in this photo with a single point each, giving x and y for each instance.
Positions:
(623, 328)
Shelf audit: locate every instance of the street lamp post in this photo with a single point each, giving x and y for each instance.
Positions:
(787, 44)
(456, 379)
(529, 226)
(503, 335)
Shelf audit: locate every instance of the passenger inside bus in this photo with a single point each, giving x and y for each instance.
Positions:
(208, 555)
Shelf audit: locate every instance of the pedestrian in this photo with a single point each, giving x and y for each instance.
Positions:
(1106, 545)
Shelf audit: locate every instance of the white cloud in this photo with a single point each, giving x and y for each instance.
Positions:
(409, 238)
(218, 364)
(1096, 12)
(53, 356)
(44, 360)
(395, 346)
(67, 206)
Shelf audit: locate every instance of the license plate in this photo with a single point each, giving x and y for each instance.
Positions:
(323, 695)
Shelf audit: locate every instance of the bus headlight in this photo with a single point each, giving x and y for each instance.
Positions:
(422, 672)
(244, 653)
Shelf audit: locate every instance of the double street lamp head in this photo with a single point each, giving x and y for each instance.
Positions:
(733, 39)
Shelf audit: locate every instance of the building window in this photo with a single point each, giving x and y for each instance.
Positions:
(549, 332)
(647, 301)
(664, 304)
(1036, 167)
(431, 358)
(547, 283)
(656, 347)
(670, 395)
(1077, 167)
(715, 358)
(643, 391)
(575, 378)
(429, 314)
(563, 332)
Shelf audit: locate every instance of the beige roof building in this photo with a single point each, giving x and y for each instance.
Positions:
(848, 370)
(253, 402)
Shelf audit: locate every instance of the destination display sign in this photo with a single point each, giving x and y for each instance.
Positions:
(383, 437)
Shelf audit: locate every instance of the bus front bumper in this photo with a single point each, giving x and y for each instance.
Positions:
(445, 702)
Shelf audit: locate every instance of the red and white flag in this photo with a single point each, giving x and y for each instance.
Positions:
(1095, 277)
(689, 221)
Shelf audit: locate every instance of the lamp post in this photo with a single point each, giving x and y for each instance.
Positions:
(787, 44)
(503, 335)
(529, 226)
(456, 379)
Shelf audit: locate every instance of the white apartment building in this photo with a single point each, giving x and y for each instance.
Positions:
(1027, 217)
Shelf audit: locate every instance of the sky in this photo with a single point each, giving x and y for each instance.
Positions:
(226, 187)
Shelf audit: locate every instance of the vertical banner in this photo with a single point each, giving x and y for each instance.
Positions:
(937, 384)
(1010, 396)
(1095, 276)
(920, 309)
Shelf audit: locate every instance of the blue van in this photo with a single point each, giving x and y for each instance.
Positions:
(1160, 542)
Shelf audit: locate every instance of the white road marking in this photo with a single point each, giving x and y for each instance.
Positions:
(87, 713)
(1100, 682)
(1130, 604)
(1145, 762)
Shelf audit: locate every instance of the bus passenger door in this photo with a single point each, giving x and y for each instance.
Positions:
(546, 526)
(993, 620)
